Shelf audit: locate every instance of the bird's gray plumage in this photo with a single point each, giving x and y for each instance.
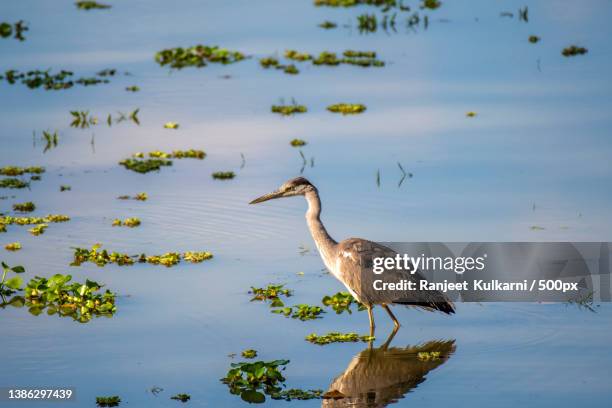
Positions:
(351, 260)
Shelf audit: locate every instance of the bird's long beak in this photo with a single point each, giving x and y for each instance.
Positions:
(266, 197)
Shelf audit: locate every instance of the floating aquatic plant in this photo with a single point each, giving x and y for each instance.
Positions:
(103, 257)
(19, 171)
(534, 39)
(297, 142)
(350, 57)
(13, 246)
(272, 62)
(367, 23)
(13, 183)
(137, 197)
(7, 29)
(431, 4)
(38, 230)
(51, 140)
(248, 379)
(536, 228)
(82, 119)
(197, 56)
(336, 337)
(128, 222)
(573, 50)
(10, 285)
(302, 311)
(223, 175)
(268, 62)
(108, 401)
(352, 3)
(171, 125)
(341, 302)
(288, 110)
(91, 5)
(132, 88)
(24, 207)
(297, 56)
(297, 394)
(249, 353)
(181, 397)
(347, 108)
(52, 82)
(328, 25)
(270, 293)
(64, 187)
(144, 165)
(471, 114)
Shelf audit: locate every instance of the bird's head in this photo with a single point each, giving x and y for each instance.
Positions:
(293, 187)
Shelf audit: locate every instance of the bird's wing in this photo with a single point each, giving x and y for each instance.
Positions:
(355, 264)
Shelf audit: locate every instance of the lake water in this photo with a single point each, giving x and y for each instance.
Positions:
(537, 154)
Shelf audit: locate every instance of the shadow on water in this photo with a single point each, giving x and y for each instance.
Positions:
(377, 377)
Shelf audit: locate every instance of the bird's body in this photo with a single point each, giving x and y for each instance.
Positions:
(351, 260)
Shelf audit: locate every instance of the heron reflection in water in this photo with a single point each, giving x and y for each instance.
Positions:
(350, 261)
(377, 377)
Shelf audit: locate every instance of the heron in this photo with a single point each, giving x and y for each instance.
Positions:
(350, 261)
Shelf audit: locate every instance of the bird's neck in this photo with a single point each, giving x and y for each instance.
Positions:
(325, 244)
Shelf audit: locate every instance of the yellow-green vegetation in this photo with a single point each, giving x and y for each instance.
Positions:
(65, 188)
(112, 401)
(20, 171)
(249, 353)
(573, 50)
(181, 397)
(347, 108)
(534, 39)
(91, 5)
(145, 165)
(336, 337)
(38, 230)
(7, 29)
(428, 355)
(175, 154)
(341, 302)
(24, 207)
(128, 222)
(196, 56)
(270, 293)
(254, 380)
(431, 4)
(288, 110)
(223, 175)
(471, 114)
(132, 88)
(51, 82)
(536, 228)
(137, 197)
(301, 311)
(268, 62)
(272, 62)
(297, 142)
(103, 257)
(328, 25)
(352, 3)
(8, 286)
(82, 119)
(297, 56)
(171, 125)
(12, 182)
(13, 246)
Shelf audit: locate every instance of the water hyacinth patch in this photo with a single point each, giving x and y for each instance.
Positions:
(103, 257)
(297, 56)
(248, 379)
(19, 171)
(288, 110)
(13, 183)
(431, 4)
(352, 3)
(197, 56)
(13, 284)
(108, 401)
(13, 246)
(223, 175)
(347, 108)
(336, 337)
(7, 29)
(145, 165)
(91, 5)
(65, 188)
(128, 222)
(137, 197)
(132, 88)
(249, 353)
(38, 230)
(302, 311)
(181, 397)
(51, 82)
(24, 207)
(41, 221)
(573, 50)
(341, 302)
(298, 142)
(270, 293)
(534, 39)
(171, 125)
(471, 114)
(328, 25)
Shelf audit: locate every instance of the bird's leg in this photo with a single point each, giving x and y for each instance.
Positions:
(371, 316)
(396, 323)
